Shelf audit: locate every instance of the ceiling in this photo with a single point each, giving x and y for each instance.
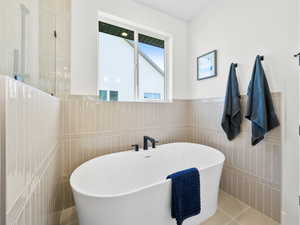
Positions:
(184, 9)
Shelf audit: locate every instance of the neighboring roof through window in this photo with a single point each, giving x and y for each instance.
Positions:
(116, 31)
(129, 34)
(151, 41)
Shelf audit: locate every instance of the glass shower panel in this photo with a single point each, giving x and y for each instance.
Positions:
(29, 52)
(47, 48)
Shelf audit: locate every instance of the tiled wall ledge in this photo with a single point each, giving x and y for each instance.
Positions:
(32, 148)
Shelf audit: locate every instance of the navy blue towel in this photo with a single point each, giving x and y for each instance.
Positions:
(185, 194)
(260, 109)
(232, 117)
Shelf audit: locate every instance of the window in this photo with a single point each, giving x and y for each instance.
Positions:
(152, 95)
(132, 64)
(103, 95)
(113, 95)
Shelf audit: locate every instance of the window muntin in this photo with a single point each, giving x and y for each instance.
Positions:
(131, 63)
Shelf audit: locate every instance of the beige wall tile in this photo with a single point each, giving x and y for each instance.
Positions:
(267, 200)
(91, 128)
(251, 173)
(276, 204)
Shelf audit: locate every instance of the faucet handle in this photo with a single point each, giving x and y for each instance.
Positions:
(136, 147)
(154, 143)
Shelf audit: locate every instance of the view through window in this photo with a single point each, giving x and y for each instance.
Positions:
(131, 65)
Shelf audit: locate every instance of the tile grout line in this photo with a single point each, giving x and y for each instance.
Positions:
(233, 218)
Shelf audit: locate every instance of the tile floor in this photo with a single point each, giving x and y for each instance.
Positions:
(231, 212)
(234, 212)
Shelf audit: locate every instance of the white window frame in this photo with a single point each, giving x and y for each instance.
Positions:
(140, 29)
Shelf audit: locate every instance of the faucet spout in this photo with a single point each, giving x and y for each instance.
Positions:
(152, 140)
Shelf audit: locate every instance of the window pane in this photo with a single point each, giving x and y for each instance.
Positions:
(151, 95)
(151, 68)
(113, 95)
(116, 62)
(103, 95)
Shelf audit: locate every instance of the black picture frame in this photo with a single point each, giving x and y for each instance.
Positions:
(215, 65)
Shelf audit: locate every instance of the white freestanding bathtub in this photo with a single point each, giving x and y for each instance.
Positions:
(130, 188)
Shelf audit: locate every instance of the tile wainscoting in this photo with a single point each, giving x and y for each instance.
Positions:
(92, 128)
(76, 129)
(32, 130)
(251, 174)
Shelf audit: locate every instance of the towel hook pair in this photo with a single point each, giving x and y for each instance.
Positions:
(261, 57)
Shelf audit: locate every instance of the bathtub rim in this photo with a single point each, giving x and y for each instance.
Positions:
(221, 163)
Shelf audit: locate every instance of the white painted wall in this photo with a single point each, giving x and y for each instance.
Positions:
(240, 30)
(84, 41)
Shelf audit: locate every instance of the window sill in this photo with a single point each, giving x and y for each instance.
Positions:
(96, 98)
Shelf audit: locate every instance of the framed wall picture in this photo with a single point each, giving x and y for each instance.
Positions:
(207, 65)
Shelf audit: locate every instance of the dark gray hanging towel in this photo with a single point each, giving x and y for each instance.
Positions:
(260, 109)
(232, 117)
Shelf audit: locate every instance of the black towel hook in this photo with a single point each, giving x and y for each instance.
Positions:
(235, 65)
(262, 58)
(297, 55)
